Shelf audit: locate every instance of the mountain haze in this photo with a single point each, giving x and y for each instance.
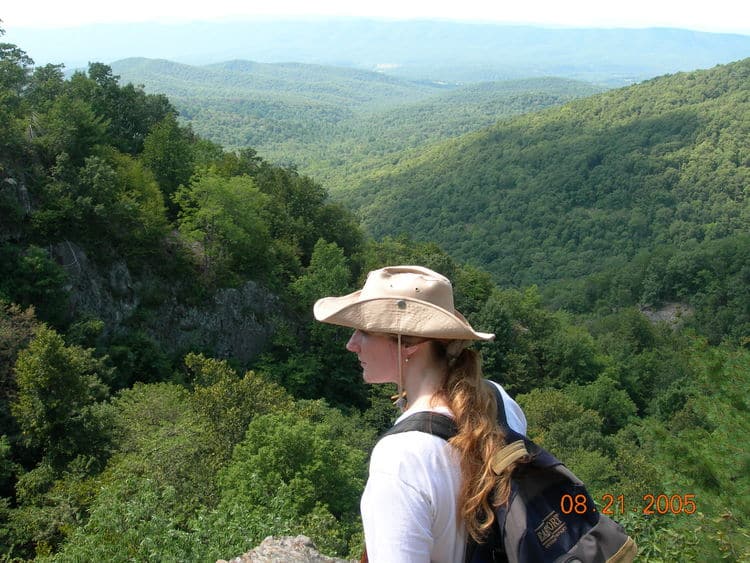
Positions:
(242, 77)
(435, 50)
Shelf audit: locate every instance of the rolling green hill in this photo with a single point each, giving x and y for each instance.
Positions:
(335, 123)
(374, 141)
(333, 85)
(563, 192)
(242, 103)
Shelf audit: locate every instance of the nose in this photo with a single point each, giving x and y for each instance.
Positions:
(354, 342)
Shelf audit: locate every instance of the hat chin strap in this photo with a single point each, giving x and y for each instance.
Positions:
(400, 398)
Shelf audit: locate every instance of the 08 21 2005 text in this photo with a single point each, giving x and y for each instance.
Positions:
(652, 504)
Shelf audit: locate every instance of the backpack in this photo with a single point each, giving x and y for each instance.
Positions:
(549, 517)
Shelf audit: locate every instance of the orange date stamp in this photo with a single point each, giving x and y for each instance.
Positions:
(652, 504)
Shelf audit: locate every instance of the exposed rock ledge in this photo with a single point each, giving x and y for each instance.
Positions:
(235, 323)
(674, 314)
(287, 549)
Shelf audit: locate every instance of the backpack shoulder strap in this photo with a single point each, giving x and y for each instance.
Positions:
(444, 426)
(433, 423)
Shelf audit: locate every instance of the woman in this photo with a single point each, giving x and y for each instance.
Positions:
(423, 496)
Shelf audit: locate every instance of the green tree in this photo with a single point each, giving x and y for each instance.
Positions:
(227, 218)
(313, 362)
(69, 127)
(46, 84)
(229, 402)
(129, 113)
(300, 213)
(50, 505)
(58, 388)
(34, 279)
(569, 356)
(160, 436)
(134, 518)
(472, 287)
(15, 68)
(168, 152)
(17, 326)
(520, 325)
(291, 470)
(110, 202)
(137, 213)
(327, 274)
(606, 397)
(572, 433)
(553, 415)
(137, 357)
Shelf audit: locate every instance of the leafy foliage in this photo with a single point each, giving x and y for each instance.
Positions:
(57, 387)
(226, 217)
(302, 470)
(168, 153)
(562, 193)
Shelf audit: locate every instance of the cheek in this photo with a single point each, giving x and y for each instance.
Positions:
(379, 357)
(388, 366)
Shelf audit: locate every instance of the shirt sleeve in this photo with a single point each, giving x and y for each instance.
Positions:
(397, 519)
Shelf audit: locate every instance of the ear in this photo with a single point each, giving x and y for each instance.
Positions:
(414, 348)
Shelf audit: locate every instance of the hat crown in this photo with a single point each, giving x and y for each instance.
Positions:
(410, 282)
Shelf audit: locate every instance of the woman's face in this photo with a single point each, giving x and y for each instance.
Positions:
(378, 356)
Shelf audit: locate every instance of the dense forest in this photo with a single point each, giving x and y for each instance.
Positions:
(335, 124)
(566, 192)
(119, 444)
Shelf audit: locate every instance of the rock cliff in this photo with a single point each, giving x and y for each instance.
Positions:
(234, 322)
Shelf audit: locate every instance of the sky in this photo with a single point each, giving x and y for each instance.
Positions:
(732, 16)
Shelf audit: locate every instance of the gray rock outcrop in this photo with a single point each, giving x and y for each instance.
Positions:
(110, 296)
(674, 314)
(236, 323)
(288, 549)
(233, 323)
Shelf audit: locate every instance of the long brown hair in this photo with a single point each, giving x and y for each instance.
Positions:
(479, 436)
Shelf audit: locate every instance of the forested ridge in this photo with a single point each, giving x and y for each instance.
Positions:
(565, 192)
(118, 445)
(335, 124)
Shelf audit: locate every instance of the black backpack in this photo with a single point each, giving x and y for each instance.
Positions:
(549, 517)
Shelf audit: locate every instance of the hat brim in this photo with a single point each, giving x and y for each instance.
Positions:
(406, 316)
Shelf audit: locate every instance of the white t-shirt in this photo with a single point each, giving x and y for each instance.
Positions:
(409, 508)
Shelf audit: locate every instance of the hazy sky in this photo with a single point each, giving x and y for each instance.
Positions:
(715, 15)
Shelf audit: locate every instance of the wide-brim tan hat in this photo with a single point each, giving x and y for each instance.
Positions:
(407, 300)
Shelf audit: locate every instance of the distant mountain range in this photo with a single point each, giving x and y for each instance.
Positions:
(331, 122)
(432, 50)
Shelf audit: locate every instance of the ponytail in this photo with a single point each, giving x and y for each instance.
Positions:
(479, 436)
